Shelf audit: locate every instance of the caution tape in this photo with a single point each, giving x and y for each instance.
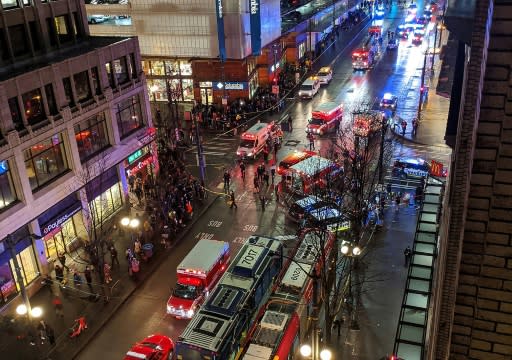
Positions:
(215, 192)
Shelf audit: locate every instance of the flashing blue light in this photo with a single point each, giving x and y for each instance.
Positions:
(379, 13)
(3, 167)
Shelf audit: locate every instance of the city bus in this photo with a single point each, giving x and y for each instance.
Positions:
(218, 328)
(282, 323)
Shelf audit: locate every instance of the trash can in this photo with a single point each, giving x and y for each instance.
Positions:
(148, 250)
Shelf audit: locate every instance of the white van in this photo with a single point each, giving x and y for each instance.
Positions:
(309, 88)
(253, 141)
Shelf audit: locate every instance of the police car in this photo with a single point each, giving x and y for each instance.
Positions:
(388, 101)
(406, 167)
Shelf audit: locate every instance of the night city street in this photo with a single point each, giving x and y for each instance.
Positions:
(255, 180)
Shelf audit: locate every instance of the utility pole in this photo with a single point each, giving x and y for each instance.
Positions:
(422, 84)
(200, 154)
(315, 335)
(384, 128)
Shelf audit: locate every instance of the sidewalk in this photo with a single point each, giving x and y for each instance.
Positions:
(77, 301)
(434, 112)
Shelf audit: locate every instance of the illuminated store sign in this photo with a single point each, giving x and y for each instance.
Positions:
(235, 86)
(255, 27)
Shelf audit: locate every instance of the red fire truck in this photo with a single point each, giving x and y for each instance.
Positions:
(325, 118)
(363, 58)
(196, 275)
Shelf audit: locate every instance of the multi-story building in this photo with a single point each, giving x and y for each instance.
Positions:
(74, 123)
(182, 42)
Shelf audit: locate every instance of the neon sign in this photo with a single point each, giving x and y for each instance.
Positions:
(139, 166)
(137, 154)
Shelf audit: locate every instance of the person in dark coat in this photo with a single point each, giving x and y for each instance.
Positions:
(88, 278)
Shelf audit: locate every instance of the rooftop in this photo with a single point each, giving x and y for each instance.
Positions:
(92, 43)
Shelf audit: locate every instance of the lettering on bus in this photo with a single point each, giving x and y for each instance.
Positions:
(250, 257)
(215, 223)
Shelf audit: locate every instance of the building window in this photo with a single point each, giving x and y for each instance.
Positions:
(6, 4)
(52, 32)
(157, 90)
(63, 29)
(121, 69)
(158, 68)
(50, 99)
(34, 34)
(4, 50)
(185, 68)
(96, 81)
(133, 66)
(7, 189)
(19, 40)
(78, 26)
(68, 91)
(146, 67)
(174, 88)
(91, 136)
(82, 86)
(129, 116)
(45, 161)
(188, 89)
(28, 264)
(172, 67)
(33, 106)
(110, 75)
(14, 107)
(107, 204)
(7, 283)
(64, 239)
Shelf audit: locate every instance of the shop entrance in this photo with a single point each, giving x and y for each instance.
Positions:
(206, 96)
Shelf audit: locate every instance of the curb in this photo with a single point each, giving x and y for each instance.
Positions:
(93, 332)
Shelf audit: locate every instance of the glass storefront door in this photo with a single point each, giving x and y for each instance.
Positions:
(206, 96)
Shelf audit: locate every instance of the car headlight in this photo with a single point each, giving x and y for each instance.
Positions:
(190, 313)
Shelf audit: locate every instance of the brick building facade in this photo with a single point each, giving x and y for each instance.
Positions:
(472, 303)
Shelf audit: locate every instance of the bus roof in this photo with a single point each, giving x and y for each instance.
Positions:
(312, 165)
(325, 213)
(204, 256)
(308, 201)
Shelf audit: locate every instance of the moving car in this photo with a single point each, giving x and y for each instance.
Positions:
(388, 101)
(154, 347)
(417, 37)
(96, 19)
(309, 87)
(303, 206)
(402, 31)
(324, 75)
(405, 167)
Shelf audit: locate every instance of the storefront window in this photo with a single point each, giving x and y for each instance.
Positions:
(146, 67)
(302, 50)
(14, 107)
(82, 86)
(96, 80)
(129, 116)
(121, 70)
(188, 89)
(50, 99)
(172, 67)
(185, 68)
(64, 239)
(45, 161)
(7, 284)
(91, 136)
(28, 264)
(158, 68)
(157, 90)
(7, 189)
(68, 91)
(108, 203)
(33, 106)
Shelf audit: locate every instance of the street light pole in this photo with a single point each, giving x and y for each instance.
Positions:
(200, 155)
(422, 84)
(19, 277)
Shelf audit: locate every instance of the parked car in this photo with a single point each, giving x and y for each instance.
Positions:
(96, 19)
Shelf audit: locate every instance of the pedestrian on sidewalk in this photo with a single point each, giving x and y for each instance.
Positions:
(62, 259)
(88, 278)
(273, 172)
(414, 127)
(232, 199)
(290, 121)
(59, 274)
(397, 202)
(42, 330)
(137, 248)
(337, 325)
(113, 256)
(276, 192)
(404, 127)
(311, 139)
(77, 279)
(407, 255)
(242, 169)
(262, 200)
(57, 303)
(50, 334)
(256, 183)
(266, 178)
(227, 179)
(106, 273)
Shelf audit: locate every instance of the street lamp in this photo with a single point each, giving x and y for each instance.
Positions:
(307, 352)
(130, 223)
(352, 251)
